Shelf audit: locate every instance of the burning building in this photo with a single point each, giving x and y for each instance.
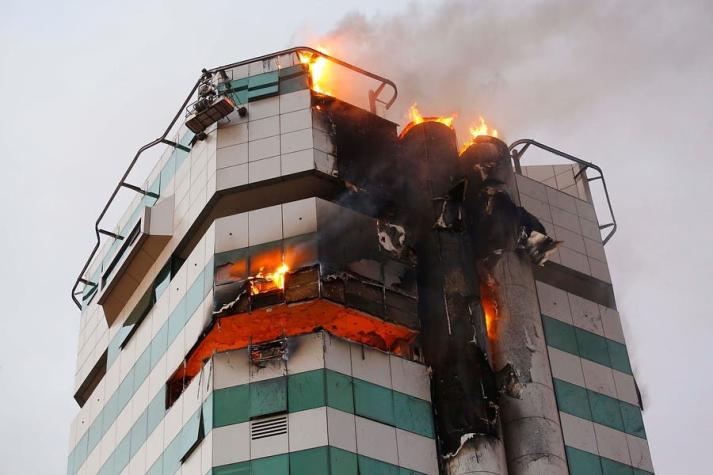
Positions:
(298, 288)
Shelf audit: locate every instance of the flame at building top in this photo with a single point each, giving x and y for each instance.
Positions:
(319, 67)
(481, 128)
(415, 118)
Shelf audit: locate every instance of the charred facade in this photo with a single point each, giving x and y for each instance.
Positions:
(301, 289)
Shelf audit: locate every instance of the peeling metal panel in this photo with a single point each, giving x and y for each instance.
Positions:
(533, 437)
(454, 336)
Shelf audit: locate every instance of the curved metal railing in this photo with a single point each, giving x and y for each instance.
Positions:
(517, 155)
(98, 231)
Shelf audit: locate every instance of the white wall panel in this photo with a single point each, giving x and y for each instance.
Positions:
(417, 452)
(371, 365)
(230, 369)
(376, 440)
(612, 444)
(305, 353)
(410, 378)
(299, 217)
(342, 429)
(308, 429)
(578, 433)
(231, 232)
(231, 444)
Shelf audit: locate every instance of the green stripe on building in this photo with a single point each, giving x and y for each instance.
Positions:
(599, 408)
(325, 460)
(586, 463)
(587, 345)
(319, 388)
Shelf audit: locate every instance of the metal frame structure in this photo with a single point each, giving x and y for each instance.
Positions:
(373, 98)
(517, 156)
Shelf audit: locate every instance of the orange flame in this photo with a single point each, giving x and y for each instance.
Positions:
(478, 129)
(273, 280)
(488, 301)
(318, 68)
(416, 118)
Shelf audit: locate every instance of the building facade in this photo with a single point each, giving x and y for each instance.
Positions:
(297, 288)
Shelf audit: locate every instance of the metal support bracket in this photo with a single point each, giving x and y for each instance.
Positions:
(139, 190)
(110, 234)
(176, 145)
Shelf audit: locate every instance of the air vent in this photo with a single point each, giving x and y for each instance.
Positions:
(263, 428)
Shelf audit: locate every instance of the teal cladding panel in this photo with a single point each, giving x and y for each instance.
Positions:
(413, 414)
(306, 390)
(605, 410)
(582, 463)
(572, 399)
(268, 397)
(231, 405)
(241, 468)
(275, 465)
(376, 467)
(373, 402)
(610, 467)
(340, 391)
(310, 462)
(342, 462)
(560, 335)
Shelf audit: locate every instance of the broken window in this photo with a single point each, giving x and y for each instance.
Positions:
(146, 303)
(132, 322)
(91, 381)
(192, 435)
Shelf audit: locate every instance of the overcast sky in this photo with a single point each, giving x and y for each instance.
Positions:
(626, 85)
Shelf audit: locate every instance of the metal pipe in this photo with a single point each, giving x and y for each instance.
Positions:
(530, 419)
(453, 327)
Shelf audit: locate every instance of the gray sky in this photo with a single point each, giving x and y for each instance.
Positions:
(627, 85)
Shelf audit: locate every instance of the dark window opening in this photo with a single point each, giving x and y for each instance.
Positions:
(149, 299)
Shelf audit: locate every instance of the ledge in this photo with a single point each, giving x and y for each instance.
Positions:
(138, 253)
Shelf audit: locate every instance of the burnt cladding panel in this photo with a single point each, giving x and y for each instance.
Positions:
(367, 153)
(464, 386)
(358, 272)
(345, 237)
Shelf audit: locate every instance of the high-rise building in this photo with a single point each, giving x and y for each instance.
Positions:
(298, 288)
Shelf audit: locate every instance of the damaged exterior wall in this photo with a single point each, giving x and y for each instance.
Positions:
(453, 331)
(437, 313)
(529, 412)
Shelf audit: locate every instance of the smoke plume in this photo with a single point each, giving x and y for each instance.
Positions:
(524, 66)
(627, 85)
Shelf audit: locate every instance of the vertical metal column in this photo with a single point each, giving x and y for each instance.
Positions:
(453, 335)
(533, 437)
